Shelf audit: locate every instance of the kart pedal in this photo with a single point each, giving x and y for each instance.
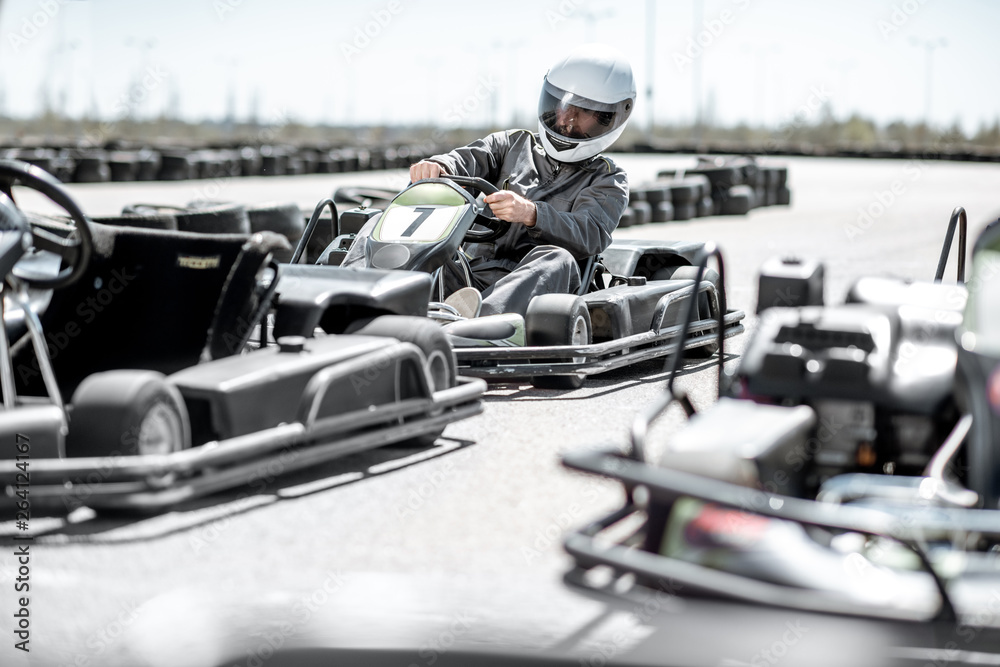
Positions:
(467, 301)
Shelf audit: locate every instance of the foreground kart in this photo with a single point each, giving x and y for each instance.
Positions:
(628, 309)
(848, 466)
(127, 379)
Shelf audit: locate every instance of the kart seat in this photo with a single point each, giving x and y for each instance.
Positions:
(150, 299)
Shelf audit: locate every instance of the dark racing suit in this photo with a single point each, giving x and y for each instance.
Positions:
(578, 206)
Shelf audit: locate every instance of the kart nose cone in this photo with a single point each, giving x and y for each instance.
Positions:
(390, 257)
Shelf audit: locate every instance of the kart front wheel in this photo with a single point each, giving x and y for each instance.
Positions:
(432, 341)
(557, 319)
(128, 413)
(425, 334)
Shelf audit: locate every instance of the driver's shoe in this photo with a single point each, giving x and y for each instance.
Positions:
(467, 301)
(505, 330)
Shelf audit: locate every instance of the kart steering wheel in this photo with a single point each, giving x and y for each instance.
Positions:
(495, 228)
(74, 249)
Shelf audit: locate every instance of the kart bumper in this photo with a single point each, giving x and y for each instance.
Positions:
(499, 364)
(153, 482)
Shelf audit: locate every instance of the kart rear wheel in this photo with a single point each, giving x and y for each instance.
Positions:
(557, 319)
(432, 341)
(705, 303)
(128, 413)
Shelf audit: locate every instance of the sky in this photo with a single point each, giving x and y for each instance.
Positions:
(454, 63)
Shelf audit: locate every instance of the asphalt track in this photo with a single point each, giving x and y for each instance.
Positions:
(459, 547)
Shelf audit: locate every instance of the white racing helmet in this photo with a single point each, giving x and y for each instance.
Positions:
(587, 97)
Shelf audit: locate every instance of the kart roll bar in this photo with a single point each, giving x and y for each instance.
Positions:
(307, 234)
(640, 427)
(959, 218)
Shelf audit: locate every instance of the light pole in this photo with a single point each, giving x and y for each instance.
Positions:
(650, 61)
(696, 74)
(929, 46)
(762, 53)
(845, 67)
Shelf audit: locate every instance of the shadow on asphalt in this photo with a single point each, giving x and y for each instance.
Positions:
(84, 525)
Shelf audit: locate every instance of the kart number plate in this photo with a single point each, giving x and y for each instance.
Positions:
(420, 223)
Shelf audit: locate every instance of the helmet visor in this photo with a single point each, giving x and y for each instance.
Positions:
(573, 117)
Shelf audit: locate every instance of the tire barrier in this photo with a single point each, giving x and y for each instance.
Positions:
(732, 185)
(715, 185)
(122, 163)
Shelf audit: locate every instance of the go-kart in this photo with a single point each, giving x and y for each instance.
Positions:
(627, 310)
(129, 380)
(848, 466)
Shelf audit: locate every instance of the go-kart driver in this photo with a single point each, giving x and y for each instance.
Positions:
(562, 196)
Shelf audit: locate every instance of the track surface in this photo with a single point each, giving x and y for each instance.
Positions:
(459, 545)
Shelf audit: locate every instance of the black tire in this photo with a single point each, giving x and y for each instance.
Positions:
(705, 310)
(628, 217)
(124, 166)
(662, 212)
(738, 200)
(685, 211)
(214, 218)
(284, 219)
(683, 192)
(250, 161)
(557, 319)
(147, 166)
(127, 412)
(151, 221)
(706, 207)
(643, 212)
(659, 194)
(781, 176)
(784, 196)
(425, 334)
(175, 166)
(433, 342)
(759, 196)
(91, 169)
